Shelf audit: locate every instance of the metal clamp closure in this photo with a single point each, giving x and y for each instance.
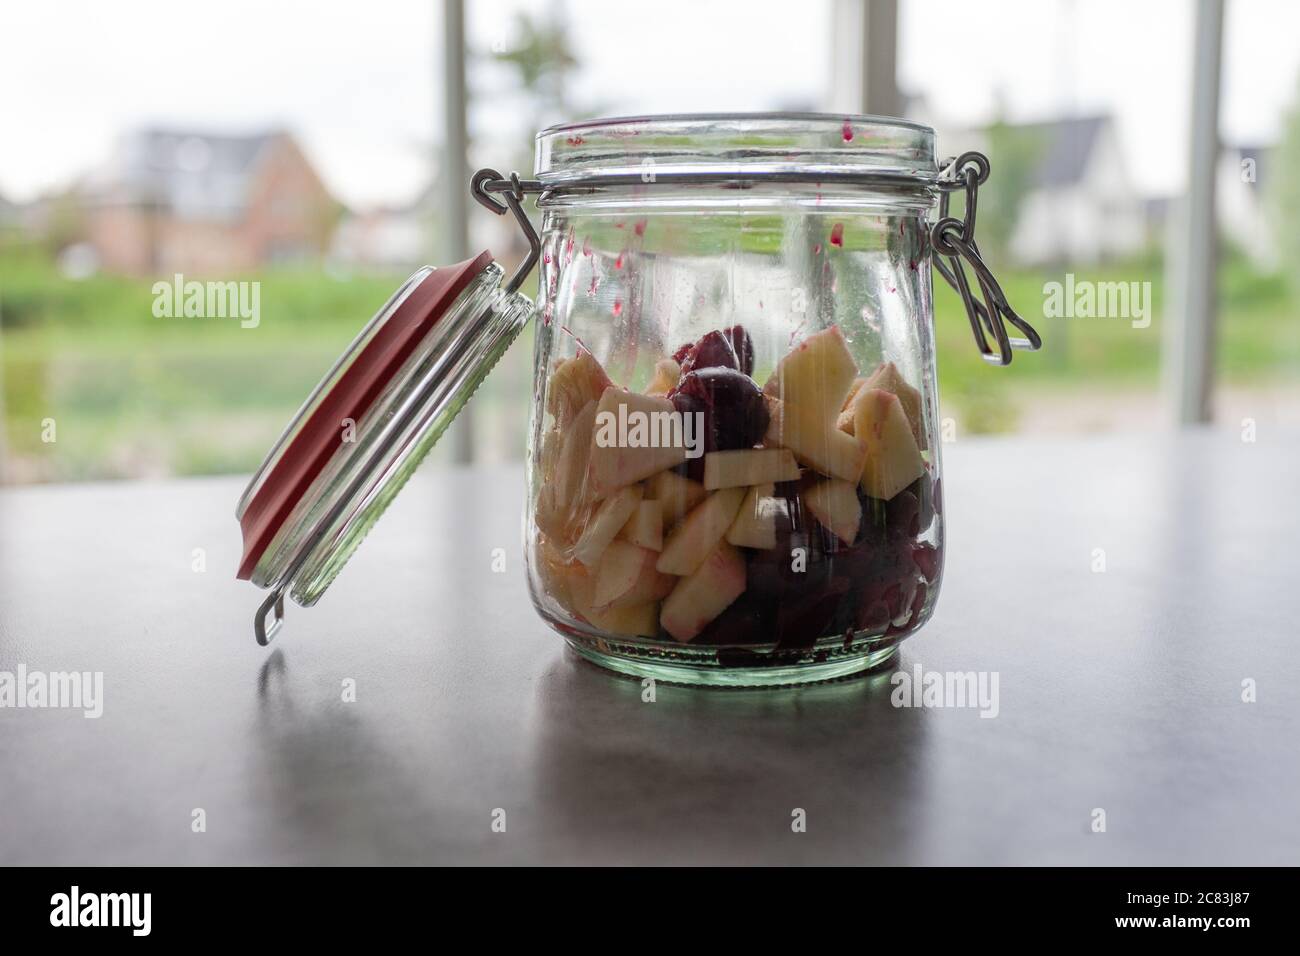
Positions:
(954, 239)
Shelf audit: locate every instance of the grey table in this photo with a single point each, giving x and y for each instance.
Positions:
(1119, 690)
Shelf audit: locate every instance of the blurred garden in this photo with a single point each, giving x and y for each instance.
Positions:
(133, 395)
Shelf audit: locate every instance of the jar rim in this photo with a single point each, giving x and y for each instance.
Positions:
(855, 119)
(739, 144)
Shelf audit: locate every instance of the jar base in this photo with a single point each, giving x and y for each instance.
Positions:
(703, 675)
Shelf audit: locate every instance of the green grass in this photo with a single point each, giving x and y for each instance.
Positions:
(132, 394)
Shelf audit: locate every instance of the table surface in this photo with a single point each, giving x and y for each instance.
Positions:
(1118, 689)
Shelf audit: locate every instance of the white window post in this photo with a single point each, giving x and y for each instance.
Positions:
(864, 53)
(453, 218)
(1191, 279)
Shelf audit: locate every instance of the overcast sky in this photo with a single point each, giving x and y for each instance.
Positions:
(357, 82)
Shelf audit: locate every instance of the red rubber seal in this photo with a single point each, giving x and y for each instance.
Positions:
(350, 398)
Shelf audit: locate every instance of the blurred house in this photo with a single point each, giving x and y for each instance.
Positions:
(1243, 218)
(1080, 205)
(389, 239)
(402, 238)
(1077, 205)
(180, 201)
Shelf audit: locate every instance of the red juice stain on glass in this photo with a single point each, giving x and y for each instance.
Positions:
(817, 249)
(618, 308)
(837, 235)
(639, 228)
(618, 263)
(586, 246)
(591, 290)
(847, 132)
(582, 346)
(619, 225)
(575, 140)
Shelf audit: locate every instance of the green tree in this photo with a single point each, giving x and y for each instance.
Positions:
(542, 60)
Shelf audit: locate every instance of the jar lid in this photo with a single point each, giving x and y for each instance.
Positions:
(367, 425)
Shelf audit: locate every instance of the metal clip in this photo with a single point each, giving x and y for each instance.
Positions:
(489, 181)
(955, 239)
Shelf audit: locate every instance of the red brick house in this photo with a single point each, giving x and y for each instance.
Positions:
(174, 201)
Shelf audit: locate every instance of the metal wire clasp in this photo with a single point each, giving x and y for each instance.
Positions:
(484, 187)
(954, 239)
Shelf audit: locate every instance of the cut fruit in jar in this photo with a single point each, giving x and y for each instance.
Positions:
(627, 576)
(888, 377)
(565, 500)
(699, 532)
(667, 372)
(748, 466)
(646, 526)
(705, 593)
(620, 455)
(835, 504)
(815, 375)
(676, 495)
(637, 620)
(575, 382)
(893, 460)
(816, 442)
(605, 524)
(755, 523)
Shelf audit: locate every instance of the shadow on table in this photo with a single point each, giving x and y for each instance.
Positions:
(718, 775)
(314, 754)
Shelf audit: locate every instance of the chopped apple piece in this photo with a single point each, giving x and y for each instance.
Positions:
(816, 442)
(845, 421)
(627, 576)
(575, 382)
(582, 590)
(706, 593)
(676, 495)
(667, 372)
(554, 572)
(755, 524)
(564, 500)
(853, 390)
(636, 620)
(607, 521)
(635, 436)
(815, 375)
(893, 460)
(549, 455)
(646, 526)
(748, 466)
(835, 504)
(888, 377)
(693, 539)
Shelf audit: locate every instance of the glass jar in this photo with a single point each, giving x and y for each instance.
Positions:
(734, 466)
